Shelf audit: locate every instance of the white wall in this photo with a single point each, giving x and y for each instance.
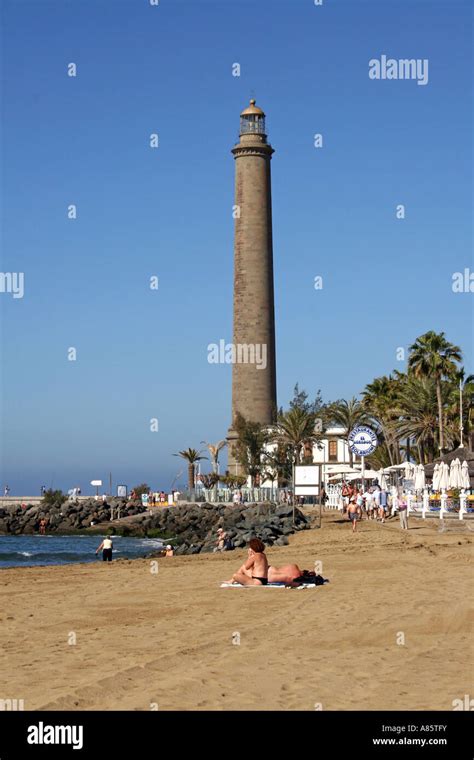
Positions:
(321, 455)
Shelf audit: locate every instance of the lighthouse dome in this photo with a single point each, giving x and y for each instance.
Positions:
(252, 120)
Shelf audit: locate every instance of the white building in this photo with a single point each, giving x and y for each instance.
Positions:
(332, 450)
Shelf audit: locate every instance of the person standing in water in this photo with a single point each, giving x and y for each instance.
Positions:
(106, 547)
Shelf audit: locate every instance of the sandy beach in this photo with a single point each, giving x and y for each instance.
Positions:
(165, 640)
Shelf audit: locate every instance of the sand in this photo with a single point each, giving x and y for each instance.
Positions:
(165, 641)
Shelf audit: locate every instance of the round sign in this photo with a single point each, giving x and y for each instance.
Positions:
(362, 441)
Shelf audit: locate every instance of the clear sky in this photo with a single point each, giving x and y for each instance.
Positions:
(84, 140)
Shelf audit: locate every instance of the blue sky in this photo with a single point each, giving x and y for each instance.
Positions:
(142, 354)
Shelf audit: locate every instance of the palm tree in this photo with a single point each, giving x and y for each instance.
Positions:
(214, 449)
(191, 456)
(277, 465)
(432, 356)
(417, 407)
(249, 448)
(379, 399)
(209, 480)
(461, 384)
(295, 428)
(348, 414)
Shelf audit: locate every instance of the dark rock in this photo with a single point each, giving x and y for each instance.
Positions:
(284, 511)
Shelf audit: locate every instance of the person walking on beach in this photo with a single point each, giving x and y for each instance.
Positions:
(354, 513)
(403, 512)
(42, 526)
(254, 572)
(106, 547)
(376, 498)
(369, 504)
(383, 505)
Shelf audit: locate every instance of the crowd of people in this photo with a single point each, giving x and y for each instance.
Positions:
(374, 503)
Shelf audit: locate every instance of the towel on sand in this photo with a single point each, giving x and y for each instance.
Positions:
(269, 585)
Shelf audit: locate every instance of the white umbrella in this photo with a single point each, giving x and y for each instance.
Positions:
(436, 477)
(466, 483)
(444, 478)
(419, 477)
(368, 475)
(454, 475)
(382, 480)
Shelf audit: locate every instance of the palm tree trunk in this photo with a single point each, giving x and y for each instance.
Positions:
(215, 469)
(191, 482)
(440, 414)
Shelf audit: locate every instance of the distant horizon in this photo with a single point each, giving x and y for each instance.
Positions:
(91, 352)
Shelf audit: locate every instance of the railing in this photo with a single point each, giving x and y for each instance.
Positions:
(252, 127)
(334, 500)
(226, 495)
(442, 507)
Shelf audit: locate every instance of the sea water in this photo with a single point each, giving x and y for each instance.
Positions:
(24, 551)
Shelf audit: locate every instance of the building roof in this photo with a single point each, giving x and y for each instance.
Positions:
(252, 109)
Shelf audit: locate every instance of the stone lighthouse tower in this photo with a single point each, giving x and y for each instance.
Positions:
(253, 382)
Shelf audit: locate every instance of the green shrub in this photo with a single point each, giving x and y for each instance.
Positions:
(53, 498)
(141, 489)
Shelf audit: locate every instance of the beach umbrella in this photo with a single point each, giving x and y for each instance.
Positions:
(419, 477)
(466, 483)
(368, 475)
(444, 477)
(436, 477)
(454, 475)
(382, 480)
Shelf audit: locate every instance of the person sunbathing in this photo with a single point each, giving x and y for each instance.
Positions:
(254, 572)
(284, 574)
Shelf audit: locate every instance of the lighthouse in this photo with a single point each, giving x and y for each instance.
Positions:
(253, 383)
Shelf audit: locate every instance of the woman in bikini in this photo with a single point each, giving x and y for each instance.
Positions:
(254, 572)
